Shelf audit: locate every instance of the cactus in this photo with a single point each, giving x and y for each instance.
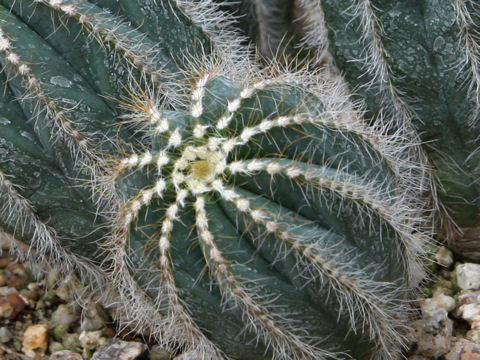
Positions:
(267, 24)
(228, 211)
(415, 64)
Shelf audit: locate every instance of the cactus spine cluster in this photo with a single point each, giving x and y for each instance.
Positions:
(227, 210)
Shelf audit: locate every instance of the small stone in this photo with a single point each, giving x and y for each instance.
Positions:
(4, 262)
(434, 343)
(470, 313)
(35, 340)
(108, 332)
(59, 332)
(444, 257)
(19, 277)
(435, 310)
(119, 350)
(443, 287)
(91, 339)
(29, 294)
(3, 280)
(93, 318)
(463, 350)
(71, 341)
(474, 335)
(469, 298)
(65, 355)
(55, 346)
(158, 352)
(11, 305)
(444, 302)
(6, 290)
(187, 356)
(468, 276)
(63, 315)
(5, 335)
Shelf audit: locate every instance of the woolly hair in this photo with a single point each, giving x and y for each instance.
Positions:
(196, 137)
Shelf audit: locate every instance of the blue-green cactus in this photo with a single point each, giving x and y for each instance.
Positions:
(230, 212)
(415, 65)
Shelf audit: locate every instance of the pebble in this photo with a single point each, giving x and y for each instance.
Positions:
(191, 355)
(35, 340)
(65, 355)
(63, 315)
(71, 341)
(5, 335)
(11, 305)
(119, 350)
(3, 280)
(470, 313)
(444, 257)
(4, 262)
(60, 331)
(19, 277)
(433, 343)
(158, 352)
(55, 346)
(435, 310)
(463, 350)
(91, 339)
(93, 318)
(433, 333)
(469, 298)
(474, 335)
(6, 290)
(468, 276)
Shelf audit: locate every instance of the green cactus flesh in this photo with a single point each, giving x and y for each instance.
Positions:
(417, 62)
(246, 217)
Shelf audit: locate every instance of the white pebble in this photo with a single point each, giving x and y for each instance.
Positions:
(468, 276)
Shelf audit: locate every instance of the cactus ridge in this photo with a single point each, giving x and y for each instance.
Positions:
(217, 24)
(66, 130)
(63, 129)
(467, 13)
(314, 33)
(132, 47)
